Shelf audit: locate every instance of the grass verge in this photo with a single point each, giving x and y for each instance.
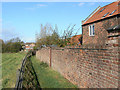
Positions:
(49, 78)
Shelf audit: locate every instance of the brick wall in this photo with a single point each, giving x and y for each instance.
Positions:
(100, 36)
(44, 55)
(119, 20)
(85, 67)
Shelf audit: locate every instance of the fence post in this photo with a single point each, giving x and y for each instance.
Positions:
(50, 56)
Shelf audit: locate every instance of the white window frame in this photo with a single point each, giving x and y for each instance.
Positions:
(91, 30)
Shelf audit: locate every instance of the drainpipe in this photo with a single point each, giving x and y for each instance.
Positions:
(50, 57)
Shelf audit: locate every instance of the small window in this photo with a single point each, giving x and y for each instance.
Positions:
(112, 12)
(106, 14)
(91, 30)
(102, 10)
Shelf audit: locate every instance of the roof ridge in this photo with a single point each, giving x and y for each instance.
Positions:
(108, 4)
(92, 14)
(112, 3)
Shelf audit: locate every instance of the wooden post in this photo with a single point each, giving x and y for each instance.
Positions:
(50, 57)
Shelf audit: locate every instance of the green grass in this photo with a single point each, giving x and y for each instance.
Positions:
(11, 62)
(49, 78)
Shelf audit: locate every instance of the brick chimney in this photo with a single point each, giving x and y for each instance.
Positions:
(114, 37)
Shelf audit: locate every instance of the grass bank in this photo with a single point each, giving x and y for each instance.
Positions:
(11, 62)
(49, 78)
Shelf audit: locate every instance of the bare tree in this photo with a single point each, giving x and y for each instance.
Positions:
(50, 36)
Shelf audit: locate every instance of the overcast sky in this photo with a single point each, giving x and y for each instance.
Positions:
(23, 19)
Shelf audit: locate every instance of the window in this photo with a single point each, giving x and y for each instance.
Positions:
(106, 14)
(112, 12)
(102, 10)
(91, 30)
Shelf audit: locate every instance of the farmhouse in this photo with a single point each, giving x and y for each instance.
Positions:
(96, 26)
(29, 46)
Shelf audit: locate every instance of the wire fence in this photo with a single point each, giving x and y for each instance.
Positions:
(27, 77)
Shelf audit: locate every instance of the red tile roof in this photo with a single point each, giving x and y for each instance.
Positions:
(75, 39)
(108, 9)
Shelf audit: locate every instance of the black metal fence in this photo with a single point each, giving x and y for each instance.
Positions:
(27, 77)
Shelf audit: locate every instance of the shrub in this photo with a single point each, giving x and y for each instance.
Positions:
(12, 45)
(43, 64)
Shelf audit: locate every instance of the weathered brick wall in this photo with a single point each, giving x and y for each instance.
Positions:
(44, 55)
(87, 68)
(100, 32)
(119, 20)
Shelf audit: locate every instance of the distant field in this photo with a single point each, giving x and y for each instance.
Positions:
(49, 78)
(11, 62)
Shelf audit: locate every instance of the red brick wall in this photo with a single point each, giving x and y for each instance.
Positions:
(87, 68)
(44, 55)
(100, 32)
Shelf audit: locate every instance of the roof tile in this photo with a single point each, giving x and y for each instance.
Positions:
(108, 9)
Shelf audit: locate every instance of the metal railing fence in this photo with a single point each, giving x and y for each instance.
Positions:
(27, 77)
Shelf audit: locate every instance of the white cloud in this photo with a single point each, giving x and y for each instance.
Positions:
(41, 5)
(28, 39)
(81, 4)
(8, 33)
(36, 7)
(92, 3)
